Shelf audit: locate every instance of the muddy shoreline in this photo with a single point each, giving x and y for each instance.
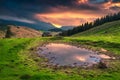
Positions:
(88, 47)
(106, 61)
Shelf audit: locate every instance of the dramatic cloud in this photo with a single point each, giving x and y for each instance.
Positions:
(17, 19)
(57, 12)
(66, 18)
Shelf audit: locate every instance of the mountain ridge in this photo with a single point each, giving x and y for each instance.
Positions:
(12, 31)
(39, 25)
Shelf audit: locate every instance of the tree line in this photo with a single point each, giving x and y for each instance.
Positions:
(97, 22)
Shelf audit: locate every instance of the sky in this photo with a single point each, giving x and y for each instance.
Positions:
(57, 12)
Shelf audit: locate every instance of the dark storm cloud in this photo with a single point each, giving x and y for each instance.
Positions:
(27, 9)
(116, 0)
(21, 7)
(115, 8)
(103, 1)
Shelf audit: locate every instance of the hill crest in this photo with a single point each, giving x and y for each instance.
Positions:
(11, 31)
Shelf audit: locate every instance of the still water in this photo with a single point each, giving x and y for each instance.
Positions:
(64, 54)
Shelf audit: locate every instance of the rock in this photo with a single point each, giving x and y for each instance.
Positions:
(113, 58)
(103, 65)
(31, 49)
(40, 49)
(92, 56)
(103, 50)
(68, 72)
(75, 64)
(49, 53)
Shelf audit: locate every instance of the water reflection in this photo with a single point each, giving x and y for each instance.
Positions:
(63, 54)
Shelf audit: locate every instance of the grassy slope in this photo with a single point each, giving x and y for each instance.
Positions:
(18, 62)
(24, 32)
(18, 32)
(2, 31)
(104, 36)
(107, 29)
(110, 43)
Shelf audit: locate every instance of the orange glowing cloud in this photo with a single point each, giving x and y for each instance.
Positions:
(83, 11)
(110, 4)
(66, 18)
(82, 1)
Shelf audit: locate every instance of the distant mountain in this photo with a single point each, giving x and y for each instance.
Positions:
(11, 31)
(39, 25)
(67, 27)
(56, 30)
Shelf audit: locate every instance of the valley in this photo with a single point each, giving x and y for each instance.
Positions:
(20, 61)
(90, 52)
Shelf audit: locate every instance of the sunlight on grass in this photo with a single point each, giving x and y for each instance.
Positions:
(18, 60)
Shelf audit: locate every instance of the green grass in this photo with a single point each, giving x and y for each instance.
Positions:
(110, 43)
(18, 60)
(103, 36)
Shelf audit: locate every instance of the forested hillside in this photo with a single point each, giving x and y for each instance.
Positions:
(87, 26)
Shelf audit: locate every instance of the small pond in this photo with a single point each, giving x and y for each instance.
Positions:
(64, 54)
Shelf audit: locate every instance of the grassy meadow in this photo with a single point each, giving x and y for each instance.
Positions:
(19, 61)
